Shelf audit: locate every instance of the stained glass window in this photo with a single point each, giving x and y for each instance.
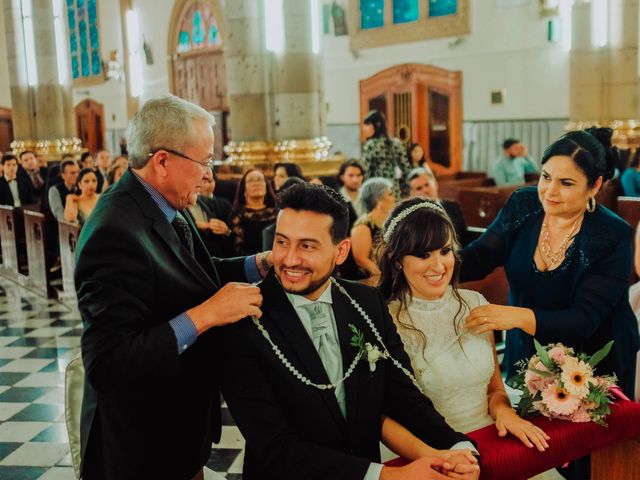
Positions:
(405, 11)
(371, 13)
(198, 29)
(84, 38)
(441, 8)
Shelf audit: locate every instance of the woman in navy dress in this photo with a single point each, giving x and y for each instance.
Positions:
(567, 260)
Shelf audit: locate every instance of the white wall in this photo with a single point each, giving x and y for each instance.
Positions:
(506, 49)
(5, 92)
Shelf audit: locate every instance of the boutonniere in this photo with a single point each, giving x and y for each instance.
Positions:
(365, 349)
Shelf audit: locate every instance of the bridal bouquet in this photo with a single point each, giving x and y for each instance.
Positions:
(560, 384)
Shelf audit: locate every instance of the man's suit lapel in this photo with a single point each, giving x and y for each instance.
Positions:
(163, 228)
(283, 318)
(200, 250)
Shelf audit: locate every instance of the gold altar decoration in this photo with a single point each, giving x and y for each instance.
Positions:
(49, 149)
(626, 133)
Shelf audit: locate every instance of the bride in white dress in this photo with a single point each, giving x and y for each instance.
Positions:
(457, 369)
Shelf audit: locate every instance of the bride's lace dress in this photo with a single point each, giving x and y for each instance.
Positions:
(454, 369)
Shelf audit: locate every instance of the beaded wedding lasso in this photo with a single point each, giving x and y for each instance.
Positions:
(328, 386)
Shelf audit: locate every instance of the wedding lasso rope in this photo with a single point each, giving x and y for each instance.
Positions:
(328, 386)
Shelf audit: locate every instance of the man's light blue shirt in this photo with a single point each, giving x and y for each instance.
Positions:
(511, 171)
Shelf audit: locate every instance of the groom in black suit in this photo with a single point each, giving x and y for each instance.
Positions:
(151, 298)
(278, 365)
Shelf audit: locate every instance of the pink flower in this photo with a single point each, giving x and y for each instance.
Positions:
(558, 355)
(559, 401)
(536, 382)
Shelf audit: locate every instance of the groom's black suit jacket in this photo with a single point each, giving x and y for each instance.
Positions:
(296, 432)
(148, 412)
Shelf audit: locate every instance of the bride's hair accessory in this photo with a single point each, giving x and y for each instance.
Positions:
(388, 233)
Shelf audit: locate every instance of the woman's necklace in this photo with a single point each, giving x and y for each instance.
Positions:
(550, 257)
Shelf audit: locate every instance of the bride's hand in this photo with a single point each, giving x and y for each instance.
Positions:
(486, 318)
(526, 431)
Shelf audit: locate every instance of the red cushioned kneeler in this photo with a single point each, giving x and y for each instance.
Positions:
(509, 459)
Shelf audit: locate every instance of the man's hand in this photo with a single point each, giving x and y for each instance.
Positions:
(218, 227)
(425, 468)
(464, 466)
(231, 303)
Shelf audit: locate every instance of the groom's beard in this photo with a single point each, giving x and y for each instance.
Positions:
(312, 287)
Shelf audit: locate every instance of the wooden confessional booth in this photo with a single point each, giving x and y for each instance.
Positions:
(423, 104)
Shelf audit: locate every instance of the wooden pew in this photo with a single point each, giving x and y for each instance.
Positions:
(10, 268)
(449, 189)
(494, 287)
(609, 193)
(481, 205)
(68, 233)
(34, 233)
(629, 209)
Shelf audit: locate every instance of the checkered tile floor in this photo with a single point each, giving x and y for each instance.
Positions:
(38, 338)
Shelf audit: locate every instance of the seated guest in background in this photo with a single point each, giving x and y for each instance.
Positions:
(15, 190)
(377, 200)
(269, 232)
(420, 265)
(116, 173)
(212, 214)
(122, 161)
(511, 167)
(282, 171)
(253, 210)
(294, 429)
(79, 206)
(415, 155)
(422, 183)
(87, 160)
(316, 181)
(103, 163)
(351, 175)
(36, 174)
(630, 178)
(58, 192)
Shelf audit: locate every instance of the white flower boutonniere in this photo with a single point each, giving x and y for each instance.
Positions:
(366, 350)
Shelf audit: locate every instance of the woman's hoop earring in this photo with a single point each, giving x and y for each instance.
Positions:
(591, 204)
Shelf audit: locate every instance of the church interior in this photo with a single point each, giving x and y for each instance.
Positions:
(289, 82)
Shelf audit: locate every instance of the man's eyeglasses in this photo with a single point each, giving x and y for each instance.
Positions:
(205, 164)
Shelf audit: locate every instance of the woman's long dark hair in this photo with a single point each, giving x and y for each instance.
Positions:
(379, 122)
(240, 202)
(424, 230)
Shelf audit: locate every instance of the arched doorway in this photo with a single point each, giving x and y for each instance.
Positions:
(197, 62)
(90, 124)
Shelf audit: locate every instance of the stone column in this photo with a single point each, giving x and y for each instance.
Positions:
(297, 95)
(604, 81)
(43, 117)
(275, 98)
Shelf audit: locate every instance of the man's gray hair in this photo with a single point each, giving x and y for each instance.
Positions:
(372, 191)
(416, 172)
(166, 121)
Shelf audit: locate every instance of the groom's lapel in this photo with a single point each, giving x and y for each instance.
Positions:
(284, 319)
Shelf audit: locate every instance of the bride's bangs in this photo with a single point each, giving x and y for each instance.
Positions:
(428, 232)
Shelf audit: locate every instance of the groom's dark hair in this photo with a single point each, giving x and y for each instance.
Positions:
(318, 199)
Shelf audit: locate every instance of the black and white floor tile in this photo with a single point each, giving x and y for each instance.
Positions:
(38, 338)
